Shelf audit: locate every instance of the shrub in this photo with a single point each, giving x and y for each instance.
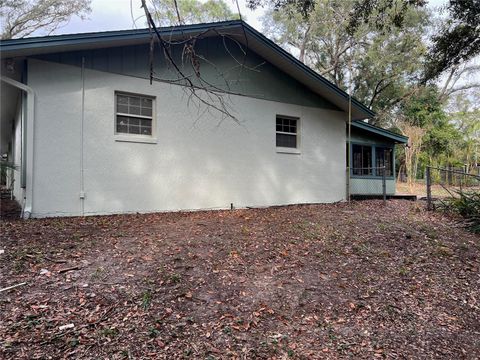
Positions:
(467, 205)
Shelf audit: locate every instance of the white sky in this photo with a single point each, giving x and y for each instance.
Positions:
(117, 15)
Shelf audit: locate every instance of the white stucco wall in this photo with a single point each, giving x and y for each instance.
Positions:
(198, 162)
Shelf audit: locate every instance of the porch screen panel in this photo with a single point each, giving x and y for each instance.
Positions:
(361, 160)
(384, 157)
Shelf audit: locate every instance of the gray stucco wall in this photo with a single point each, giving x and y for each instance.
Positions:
(196, 159)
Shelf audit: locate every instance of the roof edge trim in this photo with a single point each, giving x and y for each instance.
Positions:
(379, 131)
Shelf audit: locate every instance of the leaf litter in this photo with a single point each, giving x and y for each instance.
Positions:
(333, 281)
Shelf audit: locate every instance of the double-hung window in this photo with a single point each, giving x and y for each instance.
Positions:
(287, 132)
(134, 115)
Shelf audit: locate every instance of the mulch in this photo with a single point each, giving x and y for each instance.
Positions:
(329, 281)
(9, 208)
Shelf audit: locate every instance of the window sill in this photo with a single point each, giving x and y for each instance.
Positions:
(283, 150)
(136, 139)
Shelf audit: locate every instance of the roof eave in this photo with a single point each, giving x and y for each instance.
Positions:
(277, 55)
(397, 138)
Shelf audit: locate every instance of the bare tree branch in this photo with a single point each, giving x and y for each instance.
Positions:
(210, 95)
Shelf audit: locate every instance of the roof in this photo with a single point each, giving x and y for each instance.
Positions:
(380, 132)
(242, 32)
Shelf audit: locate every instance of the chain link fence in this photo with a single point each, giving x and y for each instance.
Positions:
(444, 184)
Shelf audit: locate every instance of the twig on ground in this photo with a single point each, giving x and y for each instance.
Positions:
(69, 269)
(13, 287)
(55, 261)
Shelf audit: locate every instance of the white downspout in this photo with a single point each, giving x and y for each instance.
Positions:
(27, 211)
(82, 175)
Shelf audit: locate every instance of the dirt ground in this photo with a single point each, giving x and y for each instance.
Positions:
(303, 282)
(438, 191)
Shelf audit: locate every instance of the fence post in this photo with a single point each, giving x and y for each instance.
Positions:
(384, 185)
(429, 188)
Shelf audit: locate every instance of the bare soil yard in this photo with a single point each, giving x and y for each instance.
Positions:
(302, 282)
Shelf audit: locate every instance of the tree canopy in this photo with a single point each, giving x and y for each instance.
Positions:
(20, 18)
(457, 42)
(166, 12)
(383, 52)
(459, 38)
(377, 67)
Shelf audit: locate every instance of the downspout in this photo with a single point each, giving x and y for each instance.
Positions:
(349, 136)
(82, 175)
(28, 204)
(349, 146)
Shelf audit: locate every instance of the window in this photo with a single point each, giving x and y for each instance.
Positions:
(134, 115)
(384, 157)
(361, 160)
(286, 132)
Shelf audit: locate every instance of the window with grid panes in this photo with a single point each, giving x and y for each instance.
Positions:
(134, 114)
(286, 132)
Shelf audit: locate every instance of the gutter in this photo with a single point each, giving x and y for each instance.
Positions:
(28, 163)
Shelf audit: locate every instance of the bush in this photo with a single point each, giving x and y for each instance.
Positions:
(467, 205)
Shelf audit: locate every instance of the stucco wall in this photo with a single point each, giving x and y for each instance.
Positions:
(198, 162)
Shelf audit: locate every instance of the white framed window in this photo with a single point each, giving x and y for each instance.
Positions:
(287, 133)
(134, 115)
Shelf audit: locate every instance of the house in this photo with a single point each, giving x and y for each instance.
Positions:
(92, 135)
(372, 152)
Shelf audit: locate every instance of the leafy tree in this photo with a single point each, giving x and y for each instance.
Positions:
(20, 18)
(373, 12)
(303, 7)
(320, 40)
(464, 113)
(390, 63)
(166, 12)
(412, 152)
(426, 111)
(458, 40)
(382, 66)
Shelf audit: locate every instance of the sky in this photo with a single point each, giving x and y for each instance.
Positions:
(119, 15)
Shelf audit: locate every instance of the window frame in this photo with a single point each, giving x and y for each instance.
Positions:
(374, 174)
(289, 150)
(365, 170)
(392, 157)
(120, 136)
